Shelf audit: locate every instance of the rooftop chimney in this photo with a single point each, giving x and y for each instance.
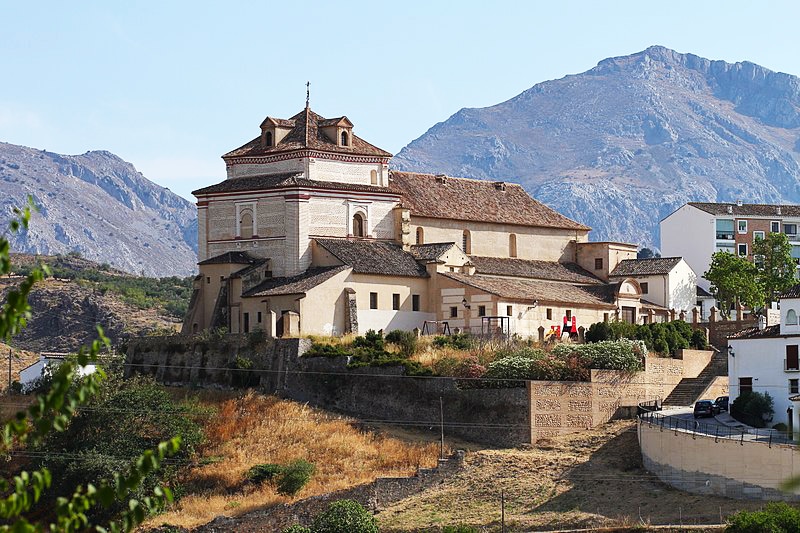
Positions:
(499, 185)
(441, 178)
(730, 209)
(778, 210)
(738, 203)
(762, 322)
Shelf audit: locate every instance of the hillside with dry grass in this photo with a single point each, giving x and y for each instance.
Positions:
(249, 429)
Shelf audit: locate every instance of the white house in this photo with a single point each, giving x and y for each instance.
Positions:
(665, 281)
(765, 359)
(698, 229)
(29, 375)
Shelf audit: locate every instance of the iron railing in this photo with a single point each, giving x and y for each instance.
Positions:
(717, 431)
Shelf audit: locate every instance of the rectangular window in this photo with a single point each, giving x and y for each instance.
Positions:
(645, 287)
(725, 230)
(259, 317)
(208, 279)
(373, 300)
(509, 310)
(758, 236)
(481, 310)
(454, 312)
(598, 263)
(725, 247)
(395, 302)
(741, 249)
(246, 317)
(745, 385)
(415, 302)
(569, 314)
(775, 226)
(742, 226)
(791, 358)
(549, 314)
(793, 386)
(790, 230)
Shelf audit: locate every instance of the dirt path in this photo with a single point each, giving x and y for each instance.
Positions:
(589, 479)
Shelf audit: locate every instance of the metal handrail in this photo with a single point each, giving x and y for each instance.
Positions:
(696, 427)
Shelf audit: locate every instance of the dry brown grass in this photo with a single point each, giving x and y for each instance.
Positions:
(254, 429)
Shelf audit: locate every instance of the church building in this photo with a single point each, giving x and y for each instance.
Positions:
(312, 233)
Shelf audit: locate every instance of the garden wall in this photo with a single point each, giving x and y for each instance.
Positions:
(559, 407)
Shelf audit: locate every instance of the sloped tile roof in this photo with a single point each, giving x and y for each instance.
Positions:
(236, 258)
(528, 268)
(702, 293)
(475, 200)
(374, 257)
(306, 134)
(530, 290)
(430, 252)
(645, 267)
(246, 270)
(294, 284)
(283, 181)
(752, 210)
(755, 333)
(792, 292)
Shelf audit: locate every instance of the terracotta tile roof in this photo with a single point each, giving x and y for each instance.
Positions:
(651, 305)
(645, 267)
(430, 252)
(294, 284)
(246, 270)
(792, 292)
(528, 268)
(283, 181)
(475, 200)
(752, 210)
(755, 333)
(530, 290)
(310, 137)
(236, 258)
(374, 257)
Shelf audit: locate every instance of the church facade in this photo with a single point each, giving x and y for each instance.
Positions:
(312, 233)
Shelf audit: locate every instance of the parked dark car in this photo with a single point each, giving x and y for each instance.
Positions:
(721, 403)
(703, 408)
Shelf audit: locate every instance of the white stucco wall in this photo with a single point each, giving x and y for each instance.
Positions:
(691, 234)
(763, 360)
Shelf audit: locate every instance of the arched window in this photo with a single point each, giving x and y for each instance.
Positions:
(268, 138)
(512, 245)
(466, 242)
(791, 317)
(246, 224)
(373, 177)
(420, 236)
(345, 139)
(358, 225)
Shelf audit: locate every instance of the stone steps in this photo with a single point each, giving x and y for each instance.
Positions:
(689, 390)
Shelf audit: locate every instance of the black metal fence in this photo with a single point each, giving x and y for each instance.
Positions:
(715, 430)
(648, 407)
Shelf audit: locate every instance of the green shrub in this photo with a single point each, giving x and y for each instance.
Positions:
(345, 515)
(753, 408)
(326, 350)
(294, 477)
(371, 340)
(698, 340)
(263, 472)
(622, 354)
(780, 426)
(405, 340)
(774, 518)
(459, 341)
(599, 331)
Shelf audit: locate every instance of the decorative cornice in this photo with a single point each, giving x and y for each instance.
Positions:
(300, 154)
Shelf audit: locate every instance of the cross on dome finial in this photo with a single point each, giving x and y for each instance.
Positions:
(308, 93)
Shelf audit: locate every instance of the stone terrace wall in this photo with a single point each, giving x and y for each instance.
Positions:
(559, 407)
(492, 416)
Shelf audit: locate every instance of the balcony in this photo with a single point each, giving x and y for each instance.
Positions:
(724, 235)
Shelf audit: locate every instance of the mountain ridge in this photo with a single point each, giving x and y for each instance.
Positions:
(625, 143)
(99, 205)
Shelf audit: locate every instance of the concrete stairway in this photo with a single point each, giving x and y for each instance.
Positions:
(689, 389)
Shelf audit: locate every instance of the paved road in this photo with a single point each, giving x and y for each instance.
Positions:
(722, 425)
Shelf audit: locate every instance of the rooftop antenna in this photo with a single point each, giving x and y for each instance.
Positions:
(308, 93)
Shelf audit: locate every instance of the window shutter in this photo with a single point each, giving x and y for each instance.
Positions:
(791, 357)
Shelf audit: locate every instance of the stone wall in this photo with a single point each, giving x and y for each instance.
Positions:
(741, 469)
(559, 407)
(374, 496)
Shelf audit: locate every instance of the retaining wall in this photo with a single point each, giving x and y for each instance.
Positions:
(705, 465)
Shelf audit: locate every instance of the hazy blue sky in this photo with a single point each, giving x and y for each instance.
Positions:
(171, 86)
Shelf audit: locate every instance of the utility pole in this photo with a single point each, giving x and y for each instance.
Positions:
(9, 371)
(502, 511)
(441, 425)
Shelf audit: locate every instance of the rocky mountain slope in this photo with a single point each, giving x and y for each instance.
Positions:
(624, 144)
(98, 205)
